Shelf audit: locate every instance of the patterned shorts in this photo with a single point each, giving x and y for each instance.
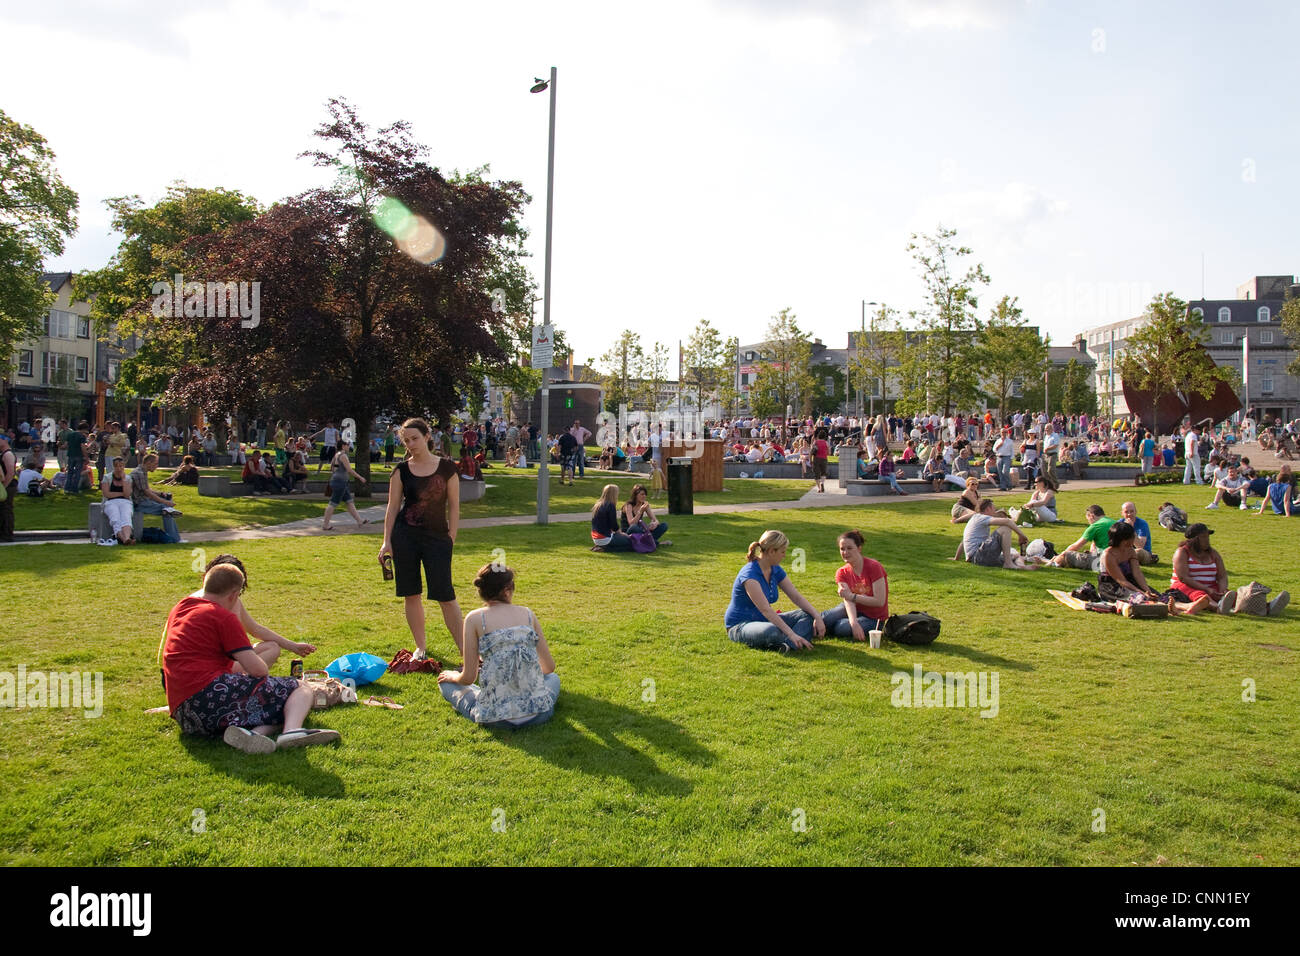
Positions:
(235, 700)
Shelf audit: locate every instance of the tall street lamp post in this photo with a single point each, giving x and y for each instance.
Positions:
(543, 466)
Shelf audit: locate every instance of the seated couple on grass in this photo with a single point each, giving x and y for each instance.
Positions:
(752, 619)
(612, 529)
(218, 683)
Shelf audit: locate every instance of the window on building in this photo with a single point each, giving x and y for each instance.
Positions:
(58, 324)
(25, 359)
(1199, 313)
(56, 368)
(1263, 315)
(83, 327)
(83, 368)
(1266, 337)
(1225, 314)
(1266, 384)
(1225, 336)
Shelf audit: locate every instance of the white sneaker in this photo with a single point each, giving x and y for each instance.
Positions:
(1276, 605)
(1212, 507)
(1243, 506)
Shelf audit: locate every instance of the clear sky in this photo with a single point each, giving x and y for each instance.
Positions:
(723, 159)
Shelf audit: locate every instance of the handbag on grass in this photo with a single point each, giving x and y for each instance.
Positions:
(1252, 598)
(328, 691)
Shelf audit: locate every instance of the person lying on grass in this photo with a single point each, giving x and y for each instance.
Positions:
(517, 685)
(751, 618)
(1120, 578)
(207, 696)
(987, 541)
(863, 588)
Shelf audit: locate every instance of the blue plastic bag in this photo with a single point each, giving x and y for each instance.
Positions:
(361, 669)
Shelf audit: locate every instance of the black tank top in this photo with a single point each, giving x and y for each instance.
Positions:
(424, 498)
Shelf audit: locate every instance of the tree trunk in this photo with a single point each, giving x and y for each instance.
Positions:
(361, 456)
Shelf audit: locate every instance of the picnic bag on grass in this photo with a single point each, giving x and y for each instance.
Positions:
(1252, 598)
(643, 542)
(914, 627)
(327, 691)
(361, 668)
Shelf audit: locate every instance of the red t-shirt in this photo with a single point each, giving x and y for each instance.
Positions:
(202, 639)
(873, 573)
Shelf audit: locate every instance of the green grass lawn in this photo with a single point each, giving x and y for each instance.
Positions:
(513, 491)
(1144, 721)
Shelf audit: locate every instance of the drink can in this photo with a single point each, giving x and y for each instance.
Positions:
(295, 669)
(388, 567)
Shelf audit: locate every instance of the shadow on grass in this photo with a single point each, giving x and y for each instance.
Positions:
(287, 768)
(981, 657)
(566, 742)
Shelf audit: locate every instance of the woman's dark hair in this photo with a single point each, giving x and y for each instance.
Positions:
(821, 433)
(853, 535)
(228, 559)
(1120, 532)
(421, 426)
(187, 461)
(492, 579)
(631, 497)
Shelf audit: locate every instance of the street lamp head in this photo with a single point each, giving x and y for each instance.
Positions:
(539, 85)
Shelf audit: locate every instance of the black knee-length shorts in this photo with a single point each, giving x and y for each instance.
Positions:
(413, 548)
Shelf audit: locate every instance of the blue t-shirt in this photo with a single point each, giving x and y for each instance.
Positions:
(741, 610)
(1278, 492)
(1141, 527)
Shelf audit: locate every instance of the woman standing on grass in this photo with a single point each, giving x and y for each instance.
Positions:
(751, 619)
(340, 493)
(863, 588)
(420, 528)
(518, 686)
(821, 453)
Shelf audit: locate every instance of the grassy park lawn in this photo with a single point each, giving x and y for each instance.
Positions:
(670, 744)
(512, 491)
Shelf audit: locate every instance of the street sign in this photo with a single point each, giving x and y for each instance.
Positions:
(543, 346)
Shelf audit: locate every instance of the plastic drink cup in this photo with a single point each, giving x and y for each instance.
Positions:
(876, 637)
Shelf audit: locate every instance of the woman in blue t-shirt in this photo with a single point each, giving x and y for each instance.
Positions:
(751, 619)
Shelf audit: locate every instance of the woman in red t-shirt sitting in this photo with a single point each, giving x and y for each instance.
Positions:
(864, 592)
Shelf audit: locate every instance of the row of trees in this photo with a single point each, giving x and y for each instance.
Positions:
(949, 359)
(357, 316)
(637, 372)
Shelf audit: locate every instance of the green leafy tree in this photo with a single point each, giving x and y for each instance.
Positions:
(1164, 356)
(729, 392)
(1008, 350)
(1290, 318)
(37, 213)
(787, 355)
(624, 361)
(156, 246)
(949, 318)
(707, 363)
(877, 354)
(827, 390)
(914, 372)
(653, 374)
(1069, 390)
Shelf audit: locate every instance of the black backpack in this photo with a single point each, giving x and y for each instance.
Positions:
(914, 627)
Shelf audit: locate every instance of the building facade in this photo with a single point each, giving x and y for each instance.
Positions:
(54, 375)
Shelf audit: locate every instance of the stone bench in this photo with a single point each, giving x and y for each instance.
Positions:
(775, 469)
(99, 527)
(872, 488)
(223, 486)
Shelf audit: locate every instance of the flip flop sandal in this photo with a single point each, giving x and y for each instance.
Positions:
(390, 703)
(244, 739)
(306, 737)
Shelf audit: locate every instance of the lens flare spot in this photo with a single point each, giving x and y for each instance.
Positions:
(412, 234)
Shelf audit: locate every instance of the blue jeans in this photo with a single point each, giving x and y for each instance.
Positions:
(658, 530)
(72, 481)
(766, 636)
(837, 622)
(150, 507)
(464, 698)
(1004, 472)
(893, 481)
(580, 460)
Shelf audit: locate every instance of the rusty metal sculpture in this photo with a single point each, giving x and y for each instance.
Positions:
(1175, 406)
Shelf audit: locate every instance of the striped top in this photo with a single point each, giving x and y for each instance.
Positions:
(1203, 574)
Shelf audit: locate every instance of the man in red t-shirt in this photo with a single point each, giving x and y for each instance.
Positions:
(206, 696)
